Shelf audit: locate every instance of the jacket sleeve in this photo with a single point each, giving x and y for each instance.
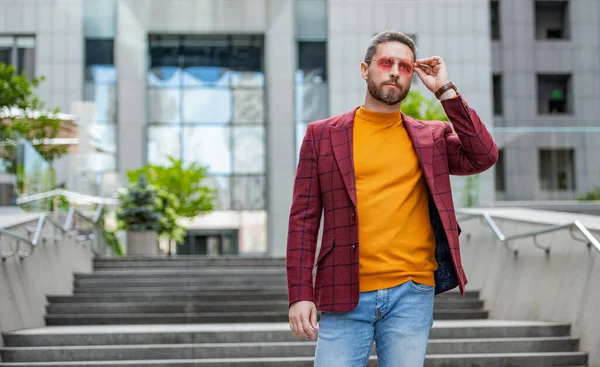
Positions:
(304, 221)
(471, 149)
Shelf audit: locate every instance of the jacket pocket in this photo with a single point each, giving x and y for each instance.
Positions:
(326, 247)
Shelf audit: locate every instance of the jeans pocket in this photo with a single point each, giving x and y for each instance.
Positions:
(422, 288)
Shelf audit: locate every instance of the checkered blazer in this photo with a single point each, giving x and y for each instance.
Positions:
(325, 184)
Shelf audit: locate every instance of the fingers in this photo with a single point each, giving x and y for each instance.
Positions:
(430, 61)
(313, 318)
(423, 70)
(303, 323)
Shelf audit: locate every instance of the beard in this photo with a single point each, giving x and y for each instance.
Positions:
(390, 97)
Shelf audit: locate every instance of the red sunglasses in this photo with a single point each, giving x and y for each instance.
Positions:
(405, 66)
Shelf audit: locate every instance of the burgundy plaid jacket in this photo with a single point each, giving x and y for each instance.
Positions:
(325, 183)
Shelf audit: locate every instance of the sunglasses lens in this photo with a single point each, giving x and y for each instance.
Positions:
(406, 67)
(385, 63)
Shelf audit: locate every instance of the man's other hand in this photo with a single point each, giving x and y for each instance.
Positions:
(303, 319)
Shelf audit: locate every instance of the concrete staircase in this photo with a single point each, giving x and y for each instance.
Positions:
(232, 311)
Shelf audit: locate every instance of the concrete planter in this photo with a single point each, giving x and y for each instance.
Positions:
(142, 243)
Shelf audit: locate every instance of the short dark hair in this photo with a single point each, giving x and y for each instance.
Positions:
(389, 36)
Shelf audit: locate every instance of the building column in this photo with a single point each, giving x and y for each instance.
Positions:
(130, 59)
(280, 60)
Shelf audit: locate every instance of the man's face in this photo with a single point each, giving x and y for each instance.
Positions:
(389, 74)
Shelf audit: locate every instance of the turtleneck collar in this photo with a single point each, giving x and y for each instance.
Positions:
(386, 118)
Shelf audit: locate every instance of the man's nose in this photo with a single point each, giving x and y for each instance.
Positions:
(395, 70)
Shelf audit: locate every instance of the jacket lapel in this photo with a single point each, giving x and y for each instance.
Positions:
(341, 142)
(422, 139)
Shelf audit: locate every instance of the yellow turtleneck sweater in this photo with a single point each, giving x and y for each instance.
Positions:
(396, 240)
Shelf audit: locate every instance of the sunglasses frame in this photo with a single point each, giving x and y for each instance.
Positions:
(397, 60)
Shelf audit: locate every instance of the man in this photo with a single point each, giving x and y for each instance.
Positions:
(390, 236)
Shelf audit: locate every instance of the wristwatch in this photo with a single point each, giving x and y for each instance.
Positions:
(444, 88)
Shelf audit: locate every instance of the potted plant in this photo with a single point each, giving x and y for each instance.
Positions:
(138, 215)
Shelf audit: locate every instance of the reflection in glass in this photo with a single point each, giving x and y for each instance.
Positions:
(26, 61)
(249, 149)
(104, 135)
(163, 141)
(6, 55)
(249, 79)
(164, 77)
(210, 105)
(202, 76)
(300, 132)
(312, 102)
(163, 105)
(221, 184)
(208, 146)
(249, 192)
(101, 73)
(105, 99)
(248, 106)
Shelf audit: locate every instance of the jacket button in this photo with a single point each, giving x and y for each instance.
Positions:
(354, 246)
(353, 214)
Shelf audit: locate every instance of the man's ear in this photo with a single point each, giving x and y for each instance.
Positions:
(364, 70)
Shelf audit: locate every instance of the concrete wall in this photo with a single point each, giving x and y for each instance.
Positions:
(25, 283)
(58, 29)
(519, 57)
(563, 286)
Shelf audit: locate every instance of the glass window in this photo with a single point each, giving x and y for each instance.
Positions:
(557, 169)
(20, 52)
(495, 19)
(207, 105)
(105, 99)
(222, 185)
(206, 76)
(208, 146)
(249, 192)
(249, 79)
(313, 102)
(499, 167)
(249, 149)
(104, 136)
(164, 77)
(552, 20)
(554, 94)
(312, 60)
(163, 105)
(163, 142)
(497, 94)
(212, 87)
(248, 106)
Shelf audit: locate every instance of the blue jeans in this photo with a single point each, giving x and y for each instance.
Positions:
(397, 319)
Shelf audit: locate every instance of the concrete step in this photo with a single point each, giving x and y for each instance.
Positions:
(165, 273)
(183, 282)
(469, 360)
(261, 349)
(198, 307)
(181, 289)
(188, 261)
(170, 297)
(218, 296)
(248, 333)
(213, 317)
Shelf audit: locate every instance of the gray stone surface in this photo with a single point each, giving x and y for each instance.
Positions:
(560, 286)
(25, 283)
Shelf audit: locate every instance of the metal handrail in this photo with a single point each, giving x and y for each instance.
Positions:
(590, 240)
(66, 228)
(68, 194)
